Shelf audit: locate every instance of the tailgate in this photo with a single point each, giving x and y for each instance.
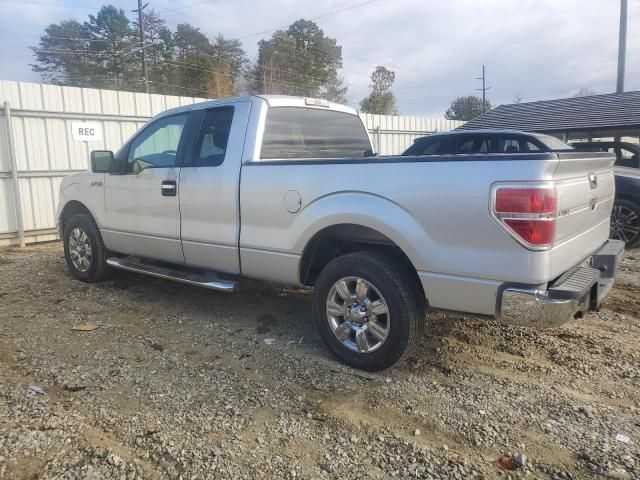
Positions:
(586, 187)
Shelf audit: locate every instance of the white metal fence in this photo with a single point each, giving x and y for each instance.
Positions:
(37, 148)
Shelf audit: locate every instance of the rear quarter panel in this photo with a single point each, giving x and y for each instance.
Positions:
(435, 208)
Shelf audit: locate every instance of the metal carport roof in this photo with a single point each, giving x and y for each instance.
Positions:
(596, 115)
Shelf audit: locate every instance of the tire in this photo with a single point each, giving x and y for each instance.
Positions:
(86, 264)
(625, 222)
(385, 281)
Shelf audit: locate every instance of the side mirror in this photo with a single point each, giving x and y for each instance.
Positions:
(101, 161)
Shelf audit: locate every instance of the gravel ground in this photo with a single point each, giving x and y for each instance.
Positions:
(178, 382)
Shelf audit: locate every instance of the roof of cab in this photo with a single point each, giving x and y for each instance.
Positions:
(271, 100)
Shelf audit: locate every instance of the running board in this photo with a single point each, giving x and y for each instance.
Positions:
(206, 279)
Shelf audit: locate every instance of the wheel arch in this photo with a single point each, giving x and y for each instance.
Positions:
(351, 221)
(71, 208)
(340, 239)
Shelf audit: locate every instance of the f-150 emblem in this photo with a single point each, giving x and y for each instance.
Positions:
(593, 181)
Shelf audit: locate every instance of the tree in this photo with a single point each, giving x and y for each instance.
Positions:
(517, 98)
(100, 53)
(63, 54)
(299, 61)
(87, 54)
(466, 108)
(159, 57)
(335, 90)
(229, 63)
(585, 92)
(111, 36)
(381, 100)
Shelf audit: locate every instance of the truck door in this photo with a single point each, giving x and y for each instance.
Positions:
(209, 189)
(141, 196)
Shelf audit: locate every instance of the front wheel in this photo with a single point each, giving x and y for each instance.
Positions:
(84, 250)
(369, 309)
(625, 222)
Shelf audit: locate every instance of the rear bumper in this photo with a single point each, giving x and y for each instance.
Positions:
(578, 290)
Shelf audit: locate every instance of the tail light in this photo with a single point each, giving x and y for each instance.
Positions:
(527, 212)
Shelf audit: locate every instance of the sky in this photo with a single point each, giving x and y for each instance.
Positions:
(532, 49)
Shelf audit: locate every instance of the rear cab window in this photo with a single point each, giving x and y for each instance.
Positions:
(513, 143)
(313, 133)
(427, 146)
(470, 144)
(551, 143)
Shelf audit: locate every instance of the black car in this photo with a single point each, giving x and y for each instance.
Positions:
(625, 221)
(485, 141)
(627, 154)
(625, 218)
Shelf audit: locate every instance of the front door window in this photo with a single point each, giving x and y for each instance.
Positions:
(157, 145)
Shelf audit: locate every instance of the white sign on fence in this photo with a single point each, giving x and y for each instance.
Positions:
(86, 131)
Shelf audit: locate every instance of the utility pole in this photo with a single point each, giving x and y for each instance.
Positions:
(484, 89)
(622, 46)
(143, 57)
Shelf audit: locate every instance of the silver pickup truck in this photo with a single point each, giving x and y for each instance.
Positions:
(288, 190)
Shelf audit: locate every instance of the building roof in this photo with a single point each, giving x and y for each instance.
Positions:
(608, 114)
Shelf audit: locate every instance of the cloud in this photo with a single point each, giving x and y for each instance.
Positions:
(537, 48)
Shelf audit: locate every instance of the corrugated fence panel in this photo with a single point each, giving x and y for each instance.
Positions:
(10, 92)
(7, 209)
(31, 96)
(72, 99)
(45, 150)
(393, 134)
(42, 203)
(110, 104)
(5, 161)
(52, 97)
(59, 151)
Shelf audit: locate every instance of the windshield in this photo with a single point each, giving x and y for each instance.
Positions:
(552, 143)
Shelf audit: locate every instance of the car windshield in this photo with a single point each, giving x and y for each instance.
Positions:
(552, 143)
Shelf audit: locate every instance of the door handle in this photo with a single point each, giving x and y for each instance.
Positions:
(168, 188)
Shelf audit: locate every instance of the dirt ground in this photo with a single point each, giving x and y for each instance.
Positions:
(179, 382)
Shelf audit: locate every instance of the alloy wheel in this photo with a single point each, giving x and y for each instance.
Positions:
(358, 314)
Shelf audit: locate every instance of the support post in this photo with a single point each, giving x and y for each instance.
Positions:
(14, 175)
(622, 46)
(378, 139)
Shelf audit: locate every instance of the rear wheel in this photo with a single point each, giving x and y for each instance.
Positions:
(84, 250)
(369, 309)
(625, 222)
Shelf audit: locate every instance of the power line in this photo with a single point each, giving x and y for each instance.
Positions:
(186, 65)
(324, 15)
(367, 62)
(52, 4)
(91, 40)
(405, 71)
(176, 86)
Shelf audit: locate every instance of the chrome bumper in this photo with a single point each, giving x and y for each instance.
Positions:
(534, 308)
(577, 291)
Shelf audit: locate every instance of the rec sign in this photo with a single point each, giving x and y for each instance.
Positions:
(86, 131)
